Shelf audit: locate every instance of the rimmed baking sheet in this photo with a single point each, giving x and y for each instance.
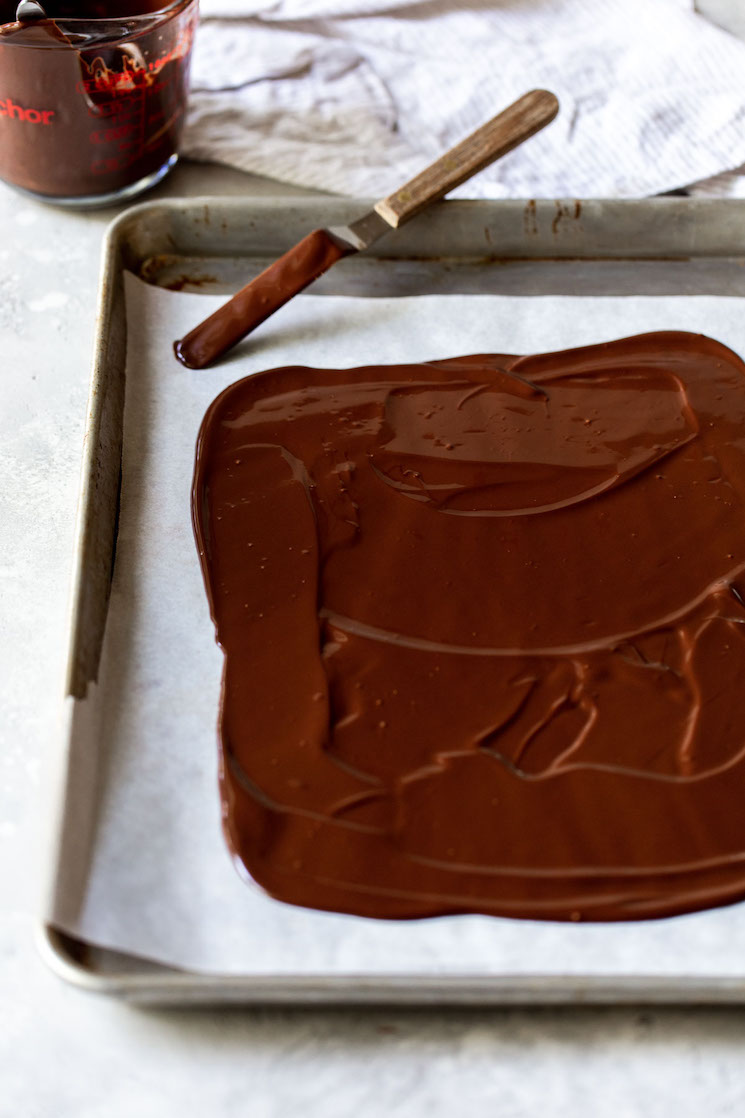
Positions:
(673, 247)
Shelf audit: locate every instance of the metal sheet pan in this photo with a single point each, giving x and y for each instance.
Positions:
(658, 246)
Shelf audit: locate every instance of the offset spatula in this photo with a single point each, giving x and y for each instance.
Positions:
(316, 253)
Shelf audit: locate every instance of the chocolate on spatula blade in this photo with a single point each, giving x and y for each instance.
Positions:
(322, 248)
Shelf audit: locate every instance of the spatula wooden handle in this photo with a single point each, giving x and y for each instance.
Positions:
(501, 134)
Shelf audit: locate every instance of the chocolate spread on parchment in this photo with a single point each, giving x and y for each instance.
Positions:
(484, 628)
(85, 118)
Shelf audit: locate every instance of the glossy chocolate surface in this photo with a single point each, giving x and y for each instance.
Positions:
(484, 625)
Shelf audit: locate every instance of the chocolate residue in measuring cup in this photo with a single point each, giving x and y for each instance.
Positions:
(484, 628)
(80, 120)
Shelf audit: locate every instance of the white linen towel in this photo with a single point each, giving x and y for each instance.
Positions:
(355, 96)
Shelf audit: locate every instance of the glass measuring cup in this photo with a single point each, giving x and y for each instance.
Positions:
(93, 98)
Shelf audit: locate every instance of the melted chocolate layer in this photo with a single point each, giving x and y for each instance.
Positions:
(484, 625)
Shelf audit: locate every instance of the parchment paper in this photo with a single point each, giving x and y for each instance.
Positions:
(161, 883)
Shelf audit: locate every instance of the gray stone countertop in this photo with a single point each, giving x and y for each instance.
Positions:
(66, 1054)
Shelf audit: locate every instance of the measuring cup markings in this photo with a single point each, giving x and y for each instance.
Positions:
(112, 111)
